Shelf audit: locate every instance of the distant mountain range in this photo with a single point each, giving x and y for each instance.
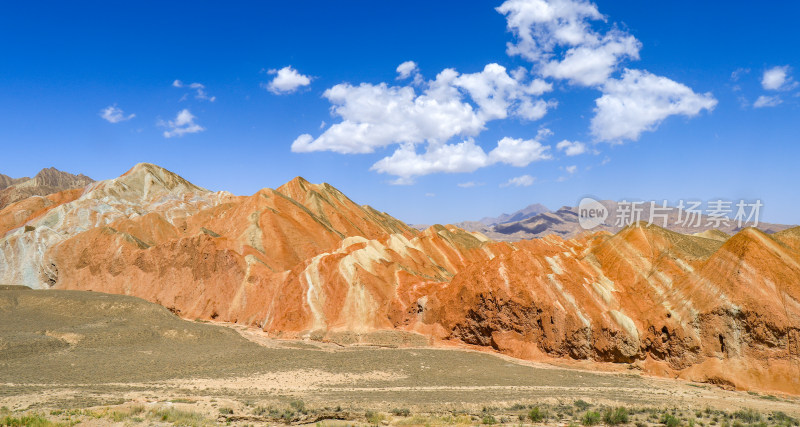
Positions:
(524, 213)
(536, 221)
(46, 182)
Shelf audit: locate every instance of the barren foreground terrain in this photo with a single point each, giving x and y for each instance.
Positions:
(73, 356)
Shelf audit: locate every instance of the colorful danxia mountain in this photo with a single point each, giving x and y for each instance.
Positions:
(304, 261)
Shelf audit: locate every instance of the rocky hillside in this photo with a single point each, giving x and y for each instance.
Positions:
(303, 260)
(46, 182)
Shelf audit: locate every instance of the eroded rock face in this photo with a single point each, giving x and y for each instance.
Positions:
(303, 260)
(722, 312)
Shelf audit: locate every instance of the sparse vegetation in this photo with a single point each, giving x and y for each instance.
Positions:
(298, 406)
(537, 415)
(401, 412)
(488, 419)
(374, 418)
(747, 415)
(181, 418)
(670, 420)
(615, 416)
(296, 412)
(590, 418)
(34, 420)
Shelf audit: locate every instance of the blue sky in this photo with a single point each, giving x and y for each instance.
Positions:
(683, 121)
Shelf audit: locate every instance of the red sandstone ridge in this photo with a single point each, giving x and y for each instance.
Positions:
(304, 260)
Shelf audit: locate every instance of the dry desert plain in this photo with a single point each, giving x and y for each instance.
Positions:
(88, 358)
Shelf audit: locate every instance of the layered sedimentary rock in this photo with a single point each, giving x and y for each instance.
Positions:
(304, 260)
(722, 312)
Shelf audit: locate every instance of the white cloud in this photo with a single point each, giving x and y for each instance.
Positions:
(379, 115)
(430, 194)
(114, 114)
(519, 152)
(468, 184)
(405, 162)
(767, 101)
(777, 78)
(407, 69)
(287, 80)
(463, 157)
(558, 38)
(199, 88)
(184, 123)
(571, 169)
(541, 25)
(520, 181)
(591, 64)
(639, 102)
(571, 148)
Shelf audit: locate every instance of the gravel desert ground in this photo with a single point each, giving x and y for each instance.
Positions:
(76, 356)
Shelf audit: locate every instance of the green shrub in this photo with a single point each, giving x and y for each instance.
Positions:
(401, 412)
(537, 415)
(488, 419)
(670, 420)
(615, 416)
(747, 415)
(591, 418)
(374, 418)
(582, 404)
(34, 420)
(784, 420)
(225, 411)
(181, 418)
(298, 406)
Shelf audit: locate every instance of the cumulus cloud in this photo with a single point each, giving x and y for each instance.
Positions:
(422, 116)
(571, 148)
(777, 78)
(452, 104)
(639, 102)
(520, 181)
(519, 152)
(592, 64)
(287, 80)
(184, 123)
(465, 156)
(468, 184)
(199, 88)
(571, 169)
(558, 38)
(542, 26)
(767, 101)
(407, 69)
(114, 114)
